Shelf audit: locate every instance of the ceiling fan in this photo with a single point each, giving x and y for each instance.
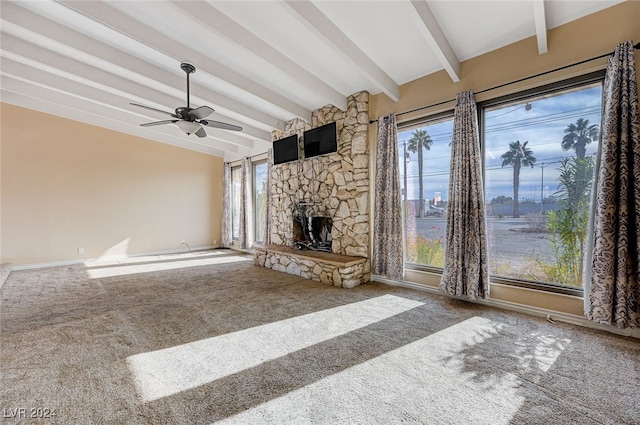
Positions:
(188, 119)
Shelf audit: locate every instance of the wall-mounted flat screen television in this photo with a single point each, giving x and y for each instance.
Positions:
(321, 140)
(285, 150)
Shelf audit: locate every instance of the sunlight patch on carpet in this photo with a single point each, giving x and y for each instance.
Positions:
(540, 351)
(464, 374)
(171, 370)
(121, 270)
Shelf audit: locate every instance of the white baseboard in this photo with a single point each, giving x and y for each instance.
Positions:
(109, 258)
(550, 315)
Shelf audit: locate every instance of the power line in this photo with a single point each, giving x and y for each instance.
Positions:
(525, 122)
(553, 117)
(511, 126)
(546, 161)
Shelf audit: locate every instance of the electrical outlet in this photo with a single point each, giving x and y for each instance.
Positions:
(215, 242)
(80, 250)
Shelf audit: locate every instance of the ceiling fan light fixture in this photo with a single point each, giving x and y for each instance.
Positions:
(188, 127)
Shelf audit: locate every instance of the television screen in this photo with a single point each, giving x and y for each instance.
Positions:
(321, 140)
(285, 150)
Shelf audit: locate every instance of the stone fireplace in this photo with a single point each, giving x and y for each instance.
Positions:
(332, 188)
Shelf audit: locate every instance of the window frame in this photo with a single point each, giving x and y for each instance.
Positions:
(521, 95)
(233, 201)
(254, 192)
(545, 89)
(412, 125)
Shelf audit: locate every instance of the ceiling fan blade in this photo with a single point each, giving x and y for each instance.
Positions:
(149, 124)
(153, 109)
(201, 112)
(201, 133)
(222, 125)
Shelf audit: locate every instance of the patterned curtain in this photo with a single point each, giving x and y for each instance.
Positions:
(267, 225)
(226, 206)
(245, 238)
(465, 270)
(612, 291)
(388, 258)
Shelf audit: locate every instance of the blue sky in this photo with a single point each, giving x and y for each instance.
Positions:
(260, 173)
(435, 162)
(542, 126)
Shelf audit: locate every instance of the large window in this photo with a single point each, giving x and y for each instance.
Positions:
(260, 200)
(424, 155)
(539, 167)
(539, 159)
(236, 199)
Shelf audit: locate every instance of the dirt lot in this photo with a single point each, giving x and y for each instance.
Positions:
(509, 239)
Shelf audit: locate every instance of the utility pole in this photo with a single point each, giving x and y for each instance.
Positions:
(542, 188)
(404, 160)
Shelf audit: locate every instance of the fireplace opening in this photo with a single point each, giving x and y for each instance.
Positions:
(311, 232)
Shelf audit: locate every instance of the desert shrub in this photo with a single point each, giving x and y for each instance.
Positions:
(568, 225)
(425, 251)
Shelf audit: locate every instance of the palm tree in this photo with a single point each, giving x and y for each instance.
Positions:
(517, 156)
(420, 140)
(578, 135)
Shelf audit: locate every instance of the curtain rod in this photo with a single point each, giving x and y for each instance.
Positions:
(248, 157)
(636, 46)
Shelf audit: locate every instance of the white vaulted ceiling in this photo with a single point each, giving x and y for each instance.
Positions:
(259, 63)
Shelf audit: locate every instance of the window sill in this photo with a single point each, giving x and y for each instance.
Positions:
(500, 292)
(553, 307)
(538, 286)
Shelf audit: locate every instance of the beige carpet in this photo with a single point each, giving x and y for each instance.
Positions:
(208, 337)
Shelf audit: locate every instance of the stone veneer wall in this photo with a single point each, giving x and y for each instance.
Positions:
(337, 183)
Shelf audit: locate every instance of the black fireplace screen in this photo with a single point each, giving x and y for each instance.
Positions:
(311, 232)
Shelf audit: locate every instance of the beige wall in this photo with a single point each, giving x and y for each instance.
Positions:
(588, 37)
(68, 185)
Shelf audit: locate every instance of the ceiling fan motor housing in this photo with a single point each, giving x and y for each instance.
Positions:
(183, 112)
